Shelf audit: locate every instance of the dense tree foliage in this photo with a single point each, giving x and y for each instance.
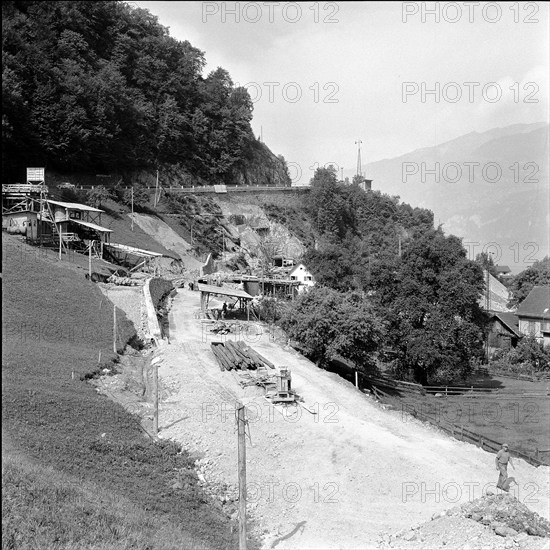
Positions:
(332, 324)
(101, 86)
(523, 283)
(432, 305)
(358, 230)
(418, 280)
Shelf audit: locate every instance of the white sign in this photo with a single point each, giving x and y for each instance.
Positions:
(35, 174)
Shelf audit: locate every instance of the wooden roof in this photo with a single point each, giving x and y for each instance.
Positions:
(225, 291)
(75, 206)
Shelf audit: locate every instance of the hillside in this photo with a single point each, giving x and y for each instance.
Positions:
(77, 470)
(511, 212)
(339, 472)
(102, 88)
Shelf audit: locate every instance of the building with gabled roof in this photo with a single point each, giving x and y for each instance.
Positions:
(534, 314)
(301, 274)
(503, 330)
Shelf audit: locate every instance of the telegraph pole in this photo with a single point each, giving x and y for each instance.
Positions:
(242, 475)
(90, 260)
(132, 207)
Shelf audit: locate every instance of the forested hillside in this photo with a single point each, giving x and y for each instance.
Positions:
(102, 87)
(386, 280)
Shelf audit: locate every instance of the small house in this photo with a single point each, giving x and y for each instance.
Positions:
(301, 274)
(534, 314)
(503, 272)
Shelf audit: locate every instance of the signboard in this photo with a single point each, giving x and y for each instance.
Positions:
(35, 174)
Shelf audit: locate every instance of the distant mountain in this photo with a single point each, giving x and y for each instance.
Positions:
(489, 187)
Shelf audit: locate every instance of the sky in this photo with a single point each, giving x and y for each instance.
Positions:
(323, 75)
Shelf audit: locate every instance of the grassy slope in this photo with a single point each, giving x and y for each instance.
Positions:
(77, 470)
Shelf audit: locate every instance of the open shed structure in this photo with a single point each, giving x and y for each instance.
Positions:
(73, 224)
(131, 257)
(243, 297)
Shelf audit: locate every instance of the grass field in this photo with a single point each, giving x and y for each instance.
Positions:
(77, 470)
(507, 416)
(520, 420)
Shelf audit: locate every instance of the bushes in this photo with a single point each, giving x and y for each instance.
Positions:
(529, 356)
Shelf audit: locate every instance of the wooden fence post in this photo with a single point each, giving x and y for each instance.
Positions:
(114, 328)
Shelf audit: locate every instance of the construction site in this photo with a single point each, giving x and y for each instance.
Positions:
(327, 466)
(67, 227)
(316, 447)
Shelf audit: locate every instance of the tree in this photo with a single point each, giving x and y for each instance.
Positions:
(523, 283)
(330, 324)
(485, 260)
(435, 322)
(140, 198)
(97, 196)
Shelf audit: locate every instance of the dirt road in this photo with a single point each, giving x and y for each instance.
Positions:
(334, 479)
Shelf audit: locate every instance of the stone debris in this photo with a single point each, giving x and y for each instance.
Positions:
(491, 522)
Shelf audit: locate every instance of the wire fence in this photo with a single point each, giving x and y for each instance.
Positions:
(539, 457)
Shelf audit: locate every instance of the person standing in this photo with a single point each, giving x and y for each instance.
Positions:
(501, 461)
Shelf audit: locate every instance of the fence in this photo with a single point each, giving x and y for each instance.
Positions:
(446, 391)
(375, 383)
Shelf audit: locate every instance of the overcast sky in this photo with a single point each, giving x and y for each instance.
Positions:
(349, 61)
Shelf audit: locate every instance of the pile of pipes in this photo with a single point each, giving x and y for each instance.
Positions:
(238, 356)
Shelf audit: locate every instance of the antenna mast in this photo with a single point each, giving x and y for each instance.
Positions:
(358, 143)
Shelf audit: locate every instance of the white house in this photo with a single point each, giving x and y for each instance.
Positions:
(302, 275)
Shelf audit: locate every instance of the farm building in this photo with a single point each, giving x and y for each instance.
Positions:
(534, 314)
(503, 330)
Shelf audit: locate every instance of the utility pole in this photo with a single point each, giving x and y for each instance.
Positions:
(399, 236)
(132, 207)
(342, 173)
(60, 235)
(241, 422)
(487, 304)
(90, 260)
(156, 189)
